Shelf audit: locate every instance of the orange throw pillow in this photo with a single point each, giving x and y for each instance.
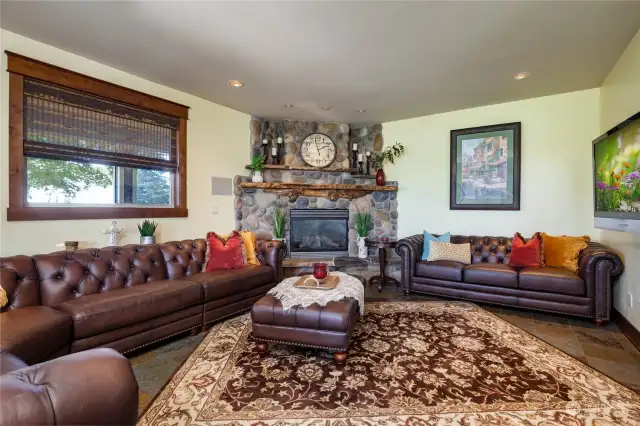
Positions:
(224, 253)
(563, 251)
(527, 255)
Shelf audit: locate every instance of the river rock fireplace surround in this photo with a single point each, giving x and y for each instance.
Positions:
(296, 188)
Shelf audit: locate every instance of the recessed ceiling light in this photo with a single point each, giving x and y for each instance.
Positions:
(522, 75)
(288, 105)
(235, 83)
(361, 110)
(326, 108)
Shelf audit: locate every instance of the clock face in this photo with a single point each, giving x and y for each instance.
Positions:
(318, 150)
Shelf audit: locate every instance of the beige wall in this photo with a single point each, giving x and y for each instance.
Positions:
(556, 168)
(217, 146)
(620, 99)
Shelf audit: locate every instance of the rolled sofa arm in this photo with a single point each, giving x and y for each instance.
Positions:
(410, 250)
(599, 266)
(94, 387)
(272, 253)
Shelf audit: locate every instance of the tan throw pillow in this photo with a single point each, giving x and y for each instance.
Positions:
(447, 251)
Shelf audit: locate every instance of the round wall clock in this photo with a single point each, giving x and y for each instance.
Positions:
(318, 150)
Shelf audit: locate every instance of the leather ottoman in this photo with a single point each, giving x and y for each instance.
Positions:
(324, 327)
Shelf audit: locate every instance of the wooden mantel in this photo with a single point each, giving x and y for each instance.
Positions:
(332, 191)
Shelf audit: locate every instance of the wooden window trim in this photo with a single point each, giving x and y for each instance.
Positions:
(19, 210)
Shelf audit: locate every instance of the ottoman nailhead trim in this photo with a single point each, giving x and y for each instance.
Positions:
(296, 344)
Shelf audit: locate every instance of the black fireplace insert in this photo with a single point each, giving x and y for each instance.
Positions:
(319, 232)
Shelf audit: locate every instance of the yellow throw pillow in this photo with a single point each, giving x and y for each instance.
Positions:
(563, 251)
(249, 241)
(3, 297)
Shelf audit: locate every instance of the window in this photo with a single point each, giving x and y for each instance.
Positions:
(82, 148)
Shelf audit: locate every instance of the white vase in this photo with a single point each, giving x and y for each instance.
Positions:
(257, 177)
(363, 252)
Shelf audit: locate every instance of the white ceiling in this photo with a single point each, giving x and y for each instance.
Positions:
(394, 59)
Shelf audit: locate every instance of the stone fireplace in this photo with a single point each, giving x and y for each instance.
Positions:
(318, 232)
(254, 206)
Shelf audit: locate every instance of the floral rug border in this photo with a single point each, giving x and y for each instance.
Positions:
(234, 332)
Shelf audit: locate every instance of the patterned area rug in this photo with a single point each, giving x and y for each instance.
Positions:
(413, 363)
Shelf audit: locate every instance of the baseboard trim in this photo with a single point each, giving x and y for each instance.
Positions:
(632, 333)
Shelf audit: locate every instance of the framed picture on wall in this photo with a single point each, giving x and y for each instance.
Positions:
(485, 168)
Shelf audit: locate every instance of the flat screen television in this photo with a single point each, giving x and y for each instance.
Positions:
(616, 177)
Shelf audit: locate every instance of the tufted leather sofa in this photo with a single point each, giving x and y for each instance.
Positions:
(122, 297)
(489, 278)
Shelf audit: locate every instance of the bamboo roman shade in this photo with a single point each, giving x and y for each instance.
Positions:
(65, 124)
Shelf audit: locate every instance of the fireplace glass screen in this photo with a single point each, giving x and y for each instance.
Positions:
(319, 232)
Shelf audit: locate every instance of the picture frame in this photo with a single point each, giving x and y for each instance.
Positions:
(485, 168)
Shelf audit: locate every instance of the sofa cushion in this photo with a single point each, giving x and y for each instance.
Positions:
(440, 269)
(34, 333)
(102, 312)
(494, 274)
(223, 283)
(552, 280)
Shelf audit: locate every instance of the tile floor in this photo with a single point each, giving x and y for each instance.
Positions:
(605, 349)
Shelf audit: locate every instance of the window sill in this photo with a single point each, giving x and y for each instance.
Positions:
(15, 214)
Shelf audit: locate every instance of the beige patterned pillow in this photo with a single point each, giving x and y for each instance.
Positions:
(447, 251)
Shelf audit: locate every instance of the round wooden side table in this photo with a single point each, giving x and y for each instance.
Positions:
(382, 246)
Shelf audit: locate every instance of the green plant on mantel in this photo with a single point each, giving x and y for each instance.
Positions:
(388, 154)
(257, 163)
(147, 228)
(279, 222)
(363, 222)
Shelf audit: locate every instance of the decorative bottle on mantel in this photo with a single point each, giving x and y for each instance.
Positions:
(381, 179)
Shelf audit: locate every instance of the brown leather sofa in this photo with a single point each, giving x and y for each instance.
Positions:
(122, 297)
(71, 390)
(491, 279)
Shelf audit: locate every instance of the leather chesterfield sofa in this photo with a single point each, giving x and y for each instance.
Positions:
(489, 278)
(123, 298)
(71, 390)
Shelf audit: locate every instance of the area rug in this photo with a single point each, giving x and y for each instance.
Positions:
(412, 363)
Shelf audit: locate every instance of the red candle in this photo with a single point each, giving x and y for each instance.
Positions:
(319, 270)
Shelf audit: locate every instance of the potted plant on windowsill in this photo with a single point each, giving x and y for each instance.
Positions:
(388, 154)
(364, 223)
(147, 230)
(257, 166)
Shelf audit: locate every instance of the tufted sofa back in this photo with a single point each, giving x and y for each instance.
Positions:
(19, 279)
(486, 249)
(183, 258)
(68, 275)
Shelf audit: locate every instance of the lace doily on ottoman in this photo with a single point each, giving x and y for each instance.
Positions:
(291, 296)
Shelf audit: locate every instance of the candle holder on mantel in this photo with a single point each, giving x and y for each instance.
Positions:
(354, 156)
(368, 163)
(265, 149)
(274, 155)
(280, 152)
(360, 169)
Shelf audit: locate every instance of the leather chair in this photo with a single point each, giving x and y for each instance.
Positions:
(71, 390)
(124, 298)
(491, 279)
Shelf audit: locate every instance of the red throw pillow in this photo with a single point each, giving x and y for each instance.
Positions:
(224, 253)
(527, 255)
